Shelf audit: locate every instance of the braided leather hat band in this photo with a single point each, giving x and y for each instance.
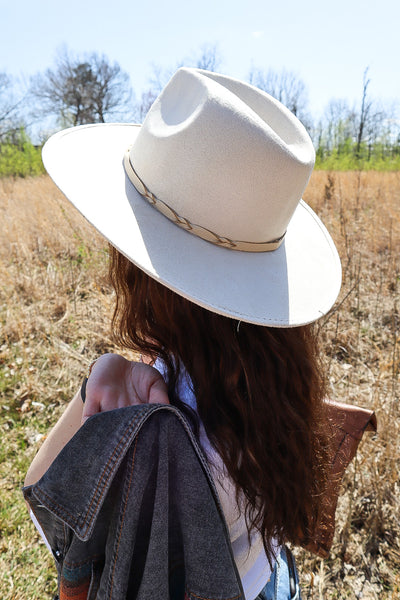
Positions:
(202, 232)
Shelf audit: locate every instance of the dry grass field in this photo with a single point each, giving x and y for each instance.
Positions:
(55, 306)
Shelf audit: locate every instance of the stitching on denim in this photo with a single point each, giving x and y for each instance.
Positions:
(103, 482)
(65, 534)
(123, 516)
(63, 510)
(208, 598)
(54, 504)
(134, 426)
(125, 439)
(108, 472)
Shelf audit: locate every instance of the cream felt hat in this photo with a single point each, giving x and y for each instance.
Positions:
(205, 197)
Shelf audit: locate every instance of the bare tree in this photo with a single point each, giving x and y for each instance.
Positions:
(10, 109)
(366, 105)
(145, 103)
(80, 90)
(340, 125)
(286, 87)
(373, 123)
(157, 81)
(208, 59)
(389, 134)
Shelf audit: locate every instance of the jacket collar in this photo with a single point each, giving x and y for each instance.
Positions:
(79, 506)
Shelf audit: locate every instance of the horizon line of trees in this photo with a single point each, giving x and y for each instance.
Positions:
(90, 89)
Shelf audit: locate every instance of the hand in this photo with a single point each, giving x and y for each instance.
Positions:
(116, 382)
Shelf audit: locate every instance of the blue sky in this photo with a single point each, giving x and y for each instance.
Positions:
(327, 44)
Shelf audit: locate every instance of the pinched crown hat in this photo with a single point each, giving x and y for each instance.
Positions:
(205, 197)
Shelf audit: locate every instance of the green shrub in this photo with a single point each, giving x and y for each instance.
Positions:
(20, 158)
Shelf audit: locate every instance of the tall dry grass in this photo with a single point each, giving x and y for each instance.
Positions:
(55, 305)
(361, 340)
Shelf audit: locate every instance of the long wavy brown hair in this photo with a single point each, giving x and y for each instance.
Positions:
(259, 394)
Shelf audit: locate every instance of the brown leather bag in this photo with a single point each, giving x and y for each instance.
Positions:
(348, 423)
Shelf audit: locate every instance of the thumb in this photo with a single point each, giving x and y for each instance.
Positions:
(91, 407)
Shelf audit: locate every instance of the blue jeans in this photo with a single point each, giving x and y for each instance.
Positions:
(284, 582)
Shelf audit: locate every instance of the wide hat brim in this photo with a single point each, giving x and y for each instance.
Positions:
(293, 285)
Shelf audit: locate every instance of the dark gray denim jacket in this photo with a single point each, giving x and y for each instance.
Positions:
(130, 510)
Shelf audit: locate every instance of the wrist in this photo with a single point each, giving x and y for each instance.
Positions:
(85, 380)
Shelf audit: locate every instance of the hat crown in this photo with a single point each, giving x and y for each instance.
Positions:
(224, 155)
(234, 162)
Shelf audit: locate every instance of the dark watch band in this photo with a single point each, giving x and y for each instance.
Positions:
(83, 389)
